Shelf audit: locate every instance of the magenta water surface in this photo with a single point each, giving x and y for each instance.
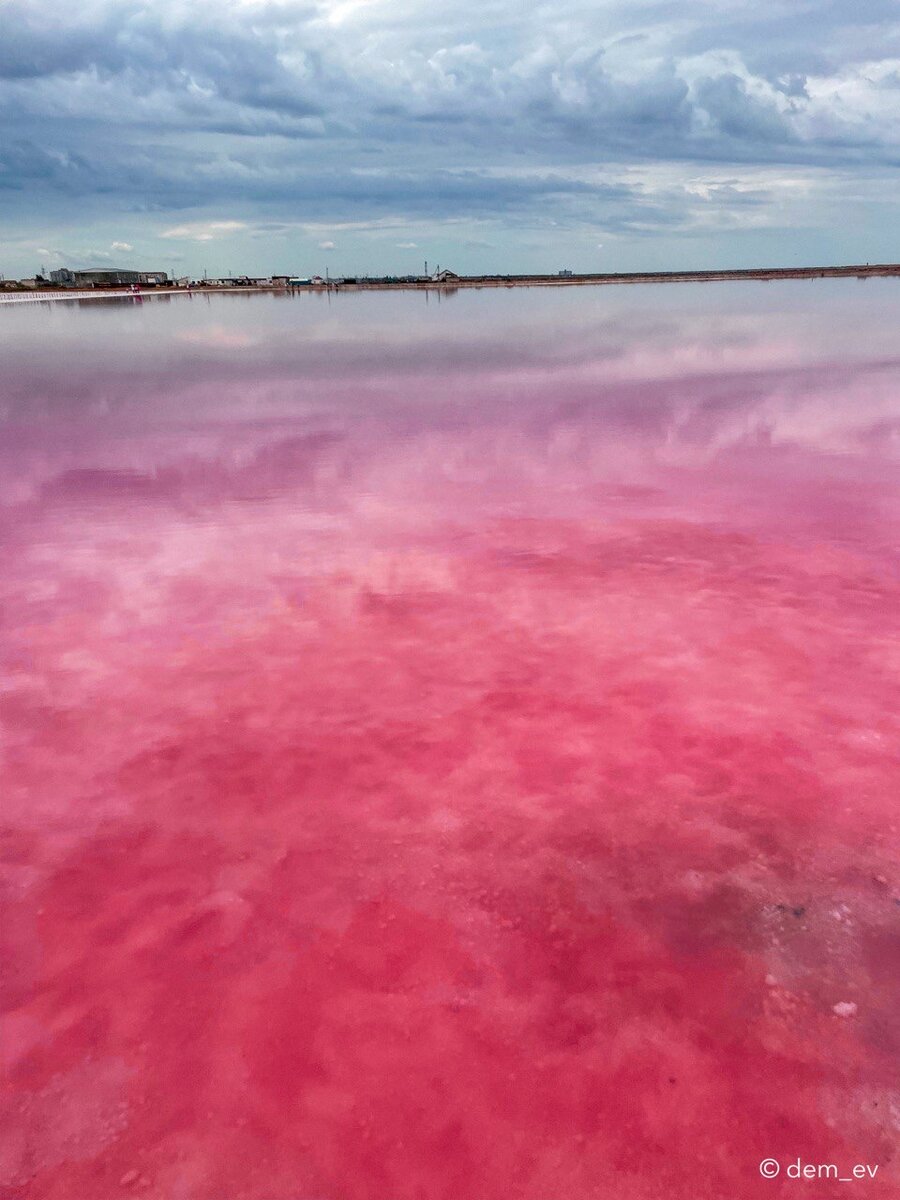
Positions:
(449, 750)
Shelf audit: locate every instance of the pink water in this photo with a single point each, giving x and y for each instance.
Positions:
(450, 752)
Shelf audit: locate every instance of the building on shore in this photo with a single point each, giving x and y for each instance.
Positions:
(107, 277)
(242, 281)
(63, 277)
(445, 276)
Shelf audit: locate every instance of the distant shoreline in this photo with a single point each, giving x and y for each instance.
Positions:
(452, 283)
(862, 271)
(600, 280)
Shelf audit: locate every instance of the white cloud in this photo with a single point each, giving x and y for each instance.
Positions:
(326, 245)
(204, 231)
(125, 247)
(407, 245)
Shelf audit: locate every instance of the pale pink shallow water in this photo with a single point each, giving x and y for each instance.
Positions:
(449, 753)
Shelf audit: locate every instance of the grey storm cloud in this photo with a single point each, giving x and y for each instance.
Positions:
(488, 110)
(740, 115)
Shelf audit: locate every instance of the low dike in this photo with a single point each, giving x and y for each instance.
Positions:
(762, 274)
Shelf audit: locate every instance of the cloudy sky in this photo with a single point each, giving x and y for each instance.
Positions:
(495, 135)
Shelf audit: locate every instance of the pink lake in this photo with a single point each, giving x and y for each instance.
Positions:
(449, 750)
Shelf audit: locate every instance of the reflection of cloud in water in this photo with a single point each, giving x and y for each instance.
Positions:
(506, 749)
(217, 336)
